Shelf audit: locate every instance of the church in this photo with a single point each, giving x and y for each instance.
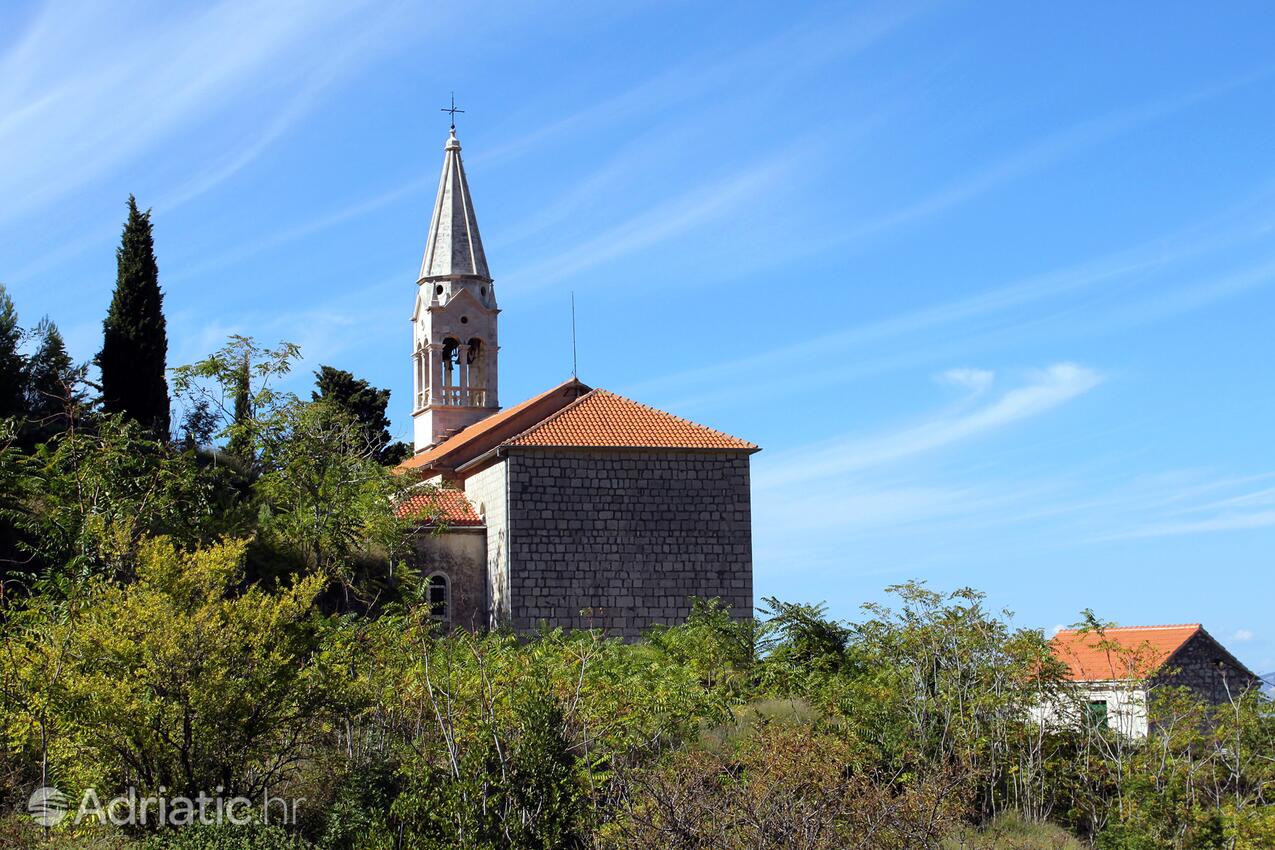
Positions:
(576, 508)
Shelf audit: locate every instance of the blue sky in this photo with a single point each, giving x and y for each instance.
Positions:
(991, 283)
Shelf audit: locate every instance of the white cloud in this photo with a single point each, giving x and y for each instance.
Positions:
(1242, 521)
(668, 220)
(1046, 389)
(138, 79)
(1242, 636)
(975, 380)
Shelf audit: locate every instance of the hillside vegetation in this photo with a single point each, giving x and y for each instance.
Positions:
(231, 613)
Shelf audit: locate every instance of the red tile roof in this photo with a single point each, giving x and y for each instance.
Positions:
(1119, 652)
(488, 433)
(571, 415)
(441, 504)
(602, 419)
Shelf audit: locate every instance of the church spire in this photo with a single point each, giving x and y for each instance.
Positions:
(454, 345)
(454, 248)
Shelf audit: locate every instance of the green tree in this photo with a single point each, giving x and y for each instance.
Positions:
(367, 405)
(178, 679)
(12, 364)
(54, 394)
(15, 560)
(229, 393)
(92, 496)
(324, 499)
(240, 443)
(135, 339)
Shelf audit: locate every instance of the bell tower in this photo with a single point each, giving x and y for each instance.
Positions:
(454, 343)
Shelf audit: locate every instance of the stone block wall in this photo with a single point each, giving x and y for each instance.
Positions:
(1206, 667)
(486, 491)
(626, 536)
(460, 553)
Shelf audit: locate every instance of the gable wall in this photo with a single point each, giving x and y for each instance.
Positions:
(486, 490)
(628, 534)
(1196, 666)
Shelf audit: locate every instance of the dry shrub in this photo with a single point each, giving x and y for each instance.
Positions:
(784, 787)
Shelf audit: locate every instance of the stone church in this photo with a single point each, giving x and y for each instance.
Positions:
(577, 507)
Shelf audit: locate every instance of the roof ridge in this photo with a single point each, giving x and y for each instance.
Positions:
(1131, 628)
(601, 392)
(552, 416)
(458, 441)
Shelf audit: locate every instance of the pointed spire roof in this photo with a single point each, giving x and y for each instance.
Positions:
(454, 246)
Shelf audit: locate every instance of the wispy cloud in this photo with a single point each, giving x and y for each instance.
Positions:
(1237, 521)
(1045, 390)
(673, 218)
(1049, 149)
(1035, 305)
(139, 79)
(975, 380)
(805, 46)
(1242, 635)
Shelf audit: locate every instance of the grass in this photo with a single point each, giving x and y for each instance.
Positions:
(1011, 831)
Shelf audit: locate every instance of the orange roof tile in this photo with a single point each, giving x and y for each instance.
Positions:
(452, 506)
(487, 433)
(603, 419)
(1119, 652)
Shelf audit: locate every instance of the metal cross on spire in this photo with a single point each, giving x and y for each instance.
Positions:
(452, 110)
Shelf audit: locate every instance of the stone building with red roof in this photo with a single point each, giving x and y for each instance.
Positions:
(1115, 669)
(577, 507)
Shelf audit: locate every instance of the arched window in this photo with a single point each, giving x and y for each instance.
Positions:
(438, 595)
(451, 356)
(475, 377)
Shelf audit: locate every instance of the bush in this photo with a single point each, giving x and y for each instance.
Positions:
(1011, 831)
(254, 836)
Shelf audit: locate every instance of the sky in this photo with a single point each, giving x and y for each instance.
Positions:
(991, 283)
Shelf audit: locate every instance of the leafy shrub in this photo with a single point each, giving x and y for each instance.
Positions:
(253, 836)
(1011, 831)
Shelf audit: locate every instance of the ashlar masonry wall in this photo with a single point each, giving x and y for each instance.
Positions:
(1207, 668)
(486, 491)
(625, 536)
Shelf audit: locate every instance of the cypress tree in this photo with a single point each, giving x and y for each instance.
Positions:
(13, 366)
(135, 343)
(53, 385)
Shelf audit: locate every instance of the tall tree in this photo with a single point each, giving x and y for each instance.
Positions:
(135, 344)
(241, 436)
(54, 395)
(13, 366)
(367, 405)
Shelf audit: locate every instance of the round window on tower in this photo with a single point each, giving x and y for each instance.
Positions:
(464, 320)
(438, 290)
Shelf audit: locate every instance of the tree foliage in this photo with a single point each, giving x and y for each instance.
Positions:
(55, 396)
(13, 365)
(367, 405)
(172, 680)
(135, 337)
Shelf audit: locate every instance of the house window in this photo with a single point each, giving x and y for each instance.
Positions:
(1096, 714)
(437, 594)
